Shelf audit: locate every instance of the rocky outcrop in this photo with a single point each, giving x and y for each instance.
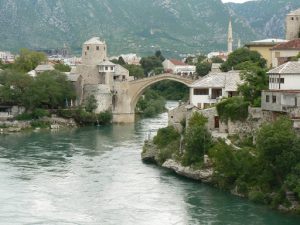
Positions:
(150, 152)
(203, 175)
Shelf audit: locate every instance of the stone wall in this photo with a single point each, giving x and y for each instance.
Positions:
(102, 94)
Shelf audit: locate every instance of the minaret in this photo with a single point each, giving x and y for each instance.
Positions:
(230, 37)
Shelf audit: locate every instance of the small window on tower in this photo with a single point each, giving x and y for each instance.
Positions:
(292, 18)
(87, 47)
(97, 48)
(84, 53)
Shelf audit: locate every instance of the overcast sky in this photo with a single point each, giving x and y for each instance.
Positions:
(236, 1)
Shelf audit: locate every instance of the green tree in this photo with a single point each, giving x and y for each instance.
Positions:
(165, 136)
(159, 55)
(255, 80)
(279, 147)
(29, 60)
(62, 67)
(234, 109)
(14, 85)
(135, 70)
(91, 104)
(243, 55)
(49, 90)
(203, 68)
(216, 59)
(198, 140)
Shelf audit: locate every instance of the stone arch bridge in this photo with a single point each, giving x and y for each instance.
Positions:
(127, 94)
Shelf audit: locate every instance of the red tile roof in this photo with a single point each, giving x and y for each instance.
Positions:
(177, 62)
(291, 45)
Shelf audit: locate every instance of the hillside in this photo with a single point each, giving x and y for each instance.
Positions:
(141, 26)
(266, 17)
(128, 25)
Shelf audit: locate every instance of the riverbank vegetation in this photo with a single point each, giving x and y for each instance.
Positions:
(266, 172)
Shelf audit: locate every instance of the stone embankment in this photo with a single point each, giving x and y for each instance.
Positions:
(18, 126)
(150, 155)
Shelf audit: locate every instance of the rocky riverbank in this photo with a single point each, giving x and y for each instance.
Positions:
(150, 154)
(53, 122)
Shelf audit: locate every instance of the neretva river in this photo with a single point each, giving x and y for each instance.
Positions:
(95, 176)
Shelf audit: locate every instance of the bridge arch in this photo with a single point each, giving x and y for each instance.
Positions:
(139, 86)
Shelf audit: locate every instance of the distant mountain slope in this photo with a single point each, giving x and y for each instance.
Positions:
(142, 26)
(175, 26)
(266, 17)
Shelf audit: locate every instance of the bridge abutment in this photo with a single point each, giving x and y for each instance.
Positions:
(123, 117)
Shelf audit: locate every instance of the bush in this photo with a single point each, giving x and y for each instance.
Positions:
(24, 116)
(235, 109)
(165, 136)
(168, 152)
(39, 113)
(105, 117)
(257, 197)
(40, 124)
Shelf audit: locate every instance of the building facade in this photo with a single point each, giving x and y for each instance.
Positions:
(264, 47)
(283, 52)
(210, 89)
(283, 95)
(100, 77)
(178, 67)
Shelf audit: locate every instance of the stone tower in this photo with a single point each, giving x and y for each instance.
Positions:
(292, 23)
(94, 51)
(230, 38)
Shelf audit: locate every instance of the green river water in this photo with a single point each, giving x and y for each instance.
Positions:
(95, 176)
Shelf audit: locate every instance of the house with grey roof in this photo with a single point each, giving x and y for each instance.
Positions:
(283, 95)
(44, 68)
(210, 89)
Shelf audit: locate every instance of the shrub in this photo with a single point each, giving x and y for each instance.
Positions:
(168, 152)
(256, 196)
(105, 117)
(165, 136)
(39, 113)
(24, 116)
(235, 109)
(41, 124)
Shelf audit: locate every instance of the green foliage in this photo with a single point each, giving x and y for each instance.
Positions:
(168, 152)
(242, 55)
(255, 80)
(135, 70)
(257, 196)
(83, 117)
(91, 104)
(29, 60)
(40, 113)
(152, 63)
(293, 180)
(203, 68)
(217, 59)
(62, 67)
(279, 147)
(235, 109)
(40, 124)
(165, 136)
(171, 90)
(105, 117)
(197, 140)
(151, 104)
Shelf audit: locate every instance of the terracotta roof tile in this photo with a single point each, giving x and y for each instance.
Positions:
(177, 62)
(291, 45)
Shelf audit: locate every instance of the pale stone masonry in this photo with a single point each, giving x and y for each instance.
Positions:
(292, 23)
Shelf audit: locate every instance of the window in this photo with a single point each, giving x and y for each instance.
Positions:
(267, 98)
(216, 93)
(292, 18)
(200, 91)
(84, 53)
(282, 80)
(274, 99)
(106, 68)
(111, 68)
(97, 48)
(88, 48)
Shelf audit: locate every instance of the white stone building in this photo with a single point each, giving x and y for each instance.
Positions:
(178, 67)
(208, 90)
(7, 57)
(284, 90)
(282, 53)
